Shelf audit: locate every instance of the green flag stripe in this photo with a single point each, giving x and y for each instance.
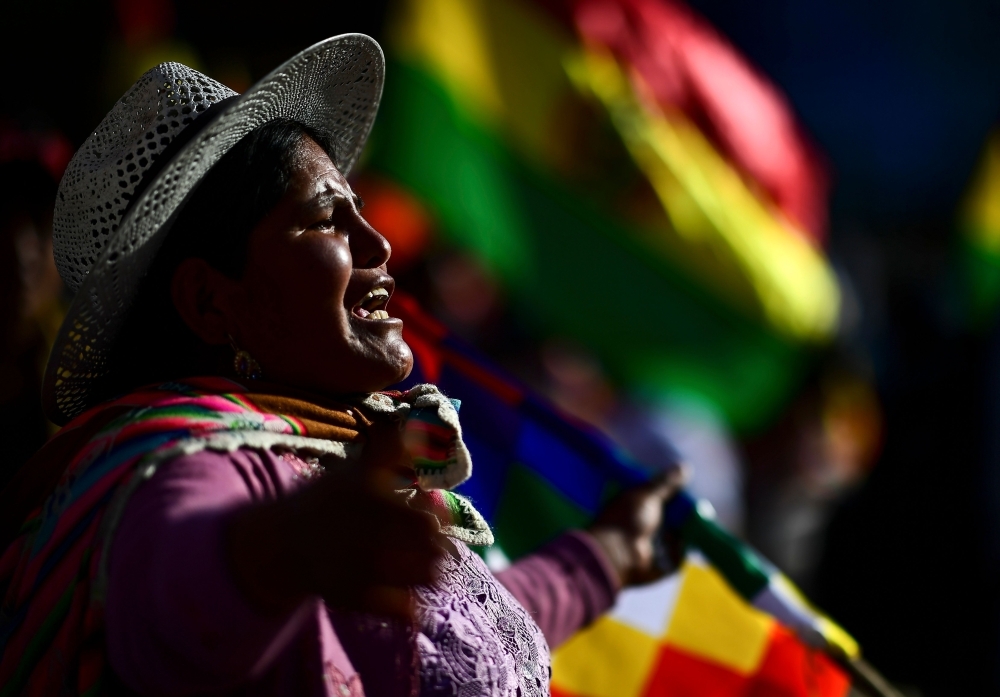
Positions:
(567, 262)
(531, 512)
(737, 563)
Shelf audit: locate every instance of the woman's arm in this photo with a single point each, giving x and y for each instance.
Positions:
(570, 582)
(176, 621)
(564, 586)
(220, 561)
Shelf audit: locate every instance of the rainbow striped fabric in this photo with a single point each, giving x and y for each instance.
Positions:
(542, 146)
(432, 435)
(51, 578)
(50, 626)
(710, 629)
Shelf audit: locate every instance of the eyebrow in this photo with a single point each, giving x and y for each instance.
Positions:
(331, 199)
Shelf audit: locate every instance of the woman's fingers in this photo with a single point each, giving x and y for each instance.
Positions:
(379, 582)
(375, 541)
(389, 601)
(384, 450)
(340, 537)
(627, 528)
(666, 483)
(412, 560)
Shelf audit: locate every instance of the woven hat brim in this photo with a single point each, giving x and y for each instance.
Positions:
(333, 86)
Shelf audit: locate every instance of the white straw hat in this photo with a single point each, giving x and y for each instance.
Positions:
(110, 221)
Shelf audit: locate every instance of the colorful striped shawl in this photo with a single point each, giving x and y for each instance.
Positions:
(52, 577)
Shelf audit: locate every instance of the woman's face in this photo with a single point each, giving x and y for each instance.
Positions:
(315, 289)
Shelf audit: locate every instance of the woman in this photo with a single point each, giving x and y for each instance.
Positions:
(279, 526)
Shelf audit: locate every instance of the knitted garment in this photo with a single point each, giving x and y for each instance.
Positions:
(53, 576)
(431, 433)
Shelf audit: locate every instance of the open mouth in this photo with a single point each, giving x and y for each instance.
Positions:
(371, 306)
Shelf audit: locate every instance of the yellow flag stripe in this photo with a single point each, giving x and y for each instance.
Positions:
(710, 204)
(526, 91)
(712, 622)
(609, 659)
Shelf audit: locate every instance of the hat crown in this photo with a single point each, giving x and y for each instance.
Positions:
(111, 218)
(102, 177)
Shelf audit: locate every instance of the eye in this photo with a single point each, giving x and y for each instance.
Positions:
(325, 224)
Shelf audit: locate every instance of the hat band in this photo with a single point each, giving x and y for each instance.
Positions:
(180, 140)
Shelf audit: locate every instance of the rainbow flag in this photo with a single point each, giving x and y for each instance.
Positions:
(710, 629)
(543, 147)
(691, 636)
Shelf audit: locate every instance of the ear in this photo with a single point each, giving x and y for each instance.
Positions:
(204, 299)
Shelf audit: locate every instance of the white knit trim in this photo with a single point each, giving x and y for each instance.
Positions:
(428, 396)
(478, 533)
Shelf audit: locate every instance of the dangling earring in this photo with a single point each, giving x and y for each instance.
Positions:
(244, 364)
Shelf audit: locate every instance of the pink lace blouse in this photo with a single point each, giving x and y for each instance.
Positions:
(176, 624)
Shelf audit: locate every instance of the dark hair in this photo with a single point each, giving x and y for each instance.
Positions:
(214, 224)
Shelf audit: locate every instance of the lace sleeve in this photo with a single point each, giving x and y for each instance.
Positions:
(564, 586)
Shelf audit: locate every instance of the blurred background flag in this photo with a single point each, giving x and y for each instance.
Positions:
(618, 159)
(978, 246)
(709, 629)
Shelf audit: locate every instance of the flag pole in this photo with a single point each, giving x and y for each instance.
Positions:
(864, 676)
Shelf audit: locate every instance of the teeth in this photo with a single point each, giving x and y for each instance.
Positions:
(378, 314)
(377, 293)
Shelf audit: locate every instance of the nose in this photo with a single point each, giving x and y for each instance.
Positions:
(369, 249)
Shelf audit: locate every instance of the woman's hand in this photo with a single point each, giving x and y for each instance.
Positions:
(627, 528)
(348, 537)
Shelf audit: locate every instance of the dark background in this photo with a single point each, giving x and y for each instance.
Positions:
(900, 96)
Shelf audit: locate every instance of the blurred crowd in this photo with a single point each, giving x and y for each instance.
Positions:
(861, 455)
